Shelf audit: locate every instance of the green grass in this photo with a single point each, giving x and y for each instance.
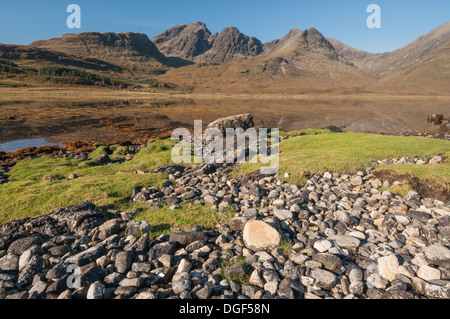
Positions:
(29, 195)
(439, 174)
(320, 151)
(187, 215)
(285, 246)
(228, 262)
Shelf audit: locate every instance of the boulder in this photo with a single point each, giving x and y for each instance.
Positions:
(258, 235)
(244, 121)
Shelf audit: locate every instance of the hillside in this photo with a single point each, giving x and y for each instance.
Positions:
(191, 59)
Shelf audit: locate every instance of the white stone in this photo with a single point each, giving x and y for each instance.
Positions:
(428, 273)
(322, 245)
(388, 267)
(258, 235)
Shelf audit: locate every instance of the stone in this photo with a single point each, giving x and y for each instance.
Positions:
(96, 291)
(235, 271)
(258, 235)
(187, 238)
(271, 287)
(109, 228)
(324, 279)
(388, 267)
(356, 180)
(356, 288)
(9, 262)
(428, 273)
(138, 228)
(376, 281)
(345, 241)
(204, 293)
(123, 262)
(180, 286)
(237, 223)
(329, 261)
(19, 246)
(438, 255)
(87, 256)
(322, 245)
(29, 271)
(256, 280)
(283, 214)
(244, 121)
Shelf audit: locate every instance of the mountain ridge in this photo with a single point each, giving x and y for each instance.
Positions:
(189, 55)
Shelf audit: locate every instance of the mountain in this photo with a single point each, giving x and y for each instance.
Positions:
(195, 42)
(310, 39)
(191, 58)
(108, 45)
(184, 40)
(35, 57)
(421, 66)
(302, 61)
(134, 53)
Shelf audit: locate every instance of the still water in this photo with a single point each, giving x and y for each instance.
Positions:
(57, 121)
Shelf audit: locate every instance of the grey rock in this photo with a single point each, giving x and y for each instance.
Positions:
(9, 262)
(96, 291)
(87, 256)
(325, 279)
(187, 238)
(124, 259)
(438, 255)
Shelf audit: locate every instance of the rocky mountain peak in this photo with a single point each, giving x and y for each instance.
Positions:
(186, 41)
(310, 39)
(195, 42)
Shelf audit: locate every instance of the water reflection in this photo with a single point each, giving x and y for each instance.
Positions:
(60, 121)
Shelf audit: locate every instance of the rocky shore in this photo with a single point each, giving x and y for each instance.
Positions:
(337, 237)
(340, 236)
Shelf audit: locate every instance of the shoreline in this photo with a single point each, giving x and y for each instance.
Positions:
(10, 158)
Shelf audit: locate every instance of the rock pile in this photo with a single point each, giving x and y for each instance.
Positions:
(412, 160)
(337, 237)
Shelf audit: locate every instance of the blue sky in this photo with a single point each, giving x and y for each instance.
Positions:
(402, 21)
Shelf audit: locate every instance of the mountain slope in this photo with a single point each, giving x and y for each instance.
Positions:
(422, 66)
(133, 52)
(129, 45)
(419, 51)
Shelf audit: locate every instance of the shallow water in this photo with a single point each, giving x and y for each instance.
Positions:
(17, 145)
(64, 120)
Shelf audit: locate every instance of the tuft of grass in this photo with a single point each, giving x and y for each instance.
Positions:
(99, 151)
(228, 262)
(285, 246)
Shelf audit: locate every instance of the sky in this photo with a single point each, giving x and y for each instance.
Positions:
(402, 21)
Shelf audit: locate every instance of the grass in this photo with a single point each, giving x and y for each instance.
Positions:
(437, 175)
(29, 195)
(228, 262)
(322, 151)
(285, 246)
(164, 219)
